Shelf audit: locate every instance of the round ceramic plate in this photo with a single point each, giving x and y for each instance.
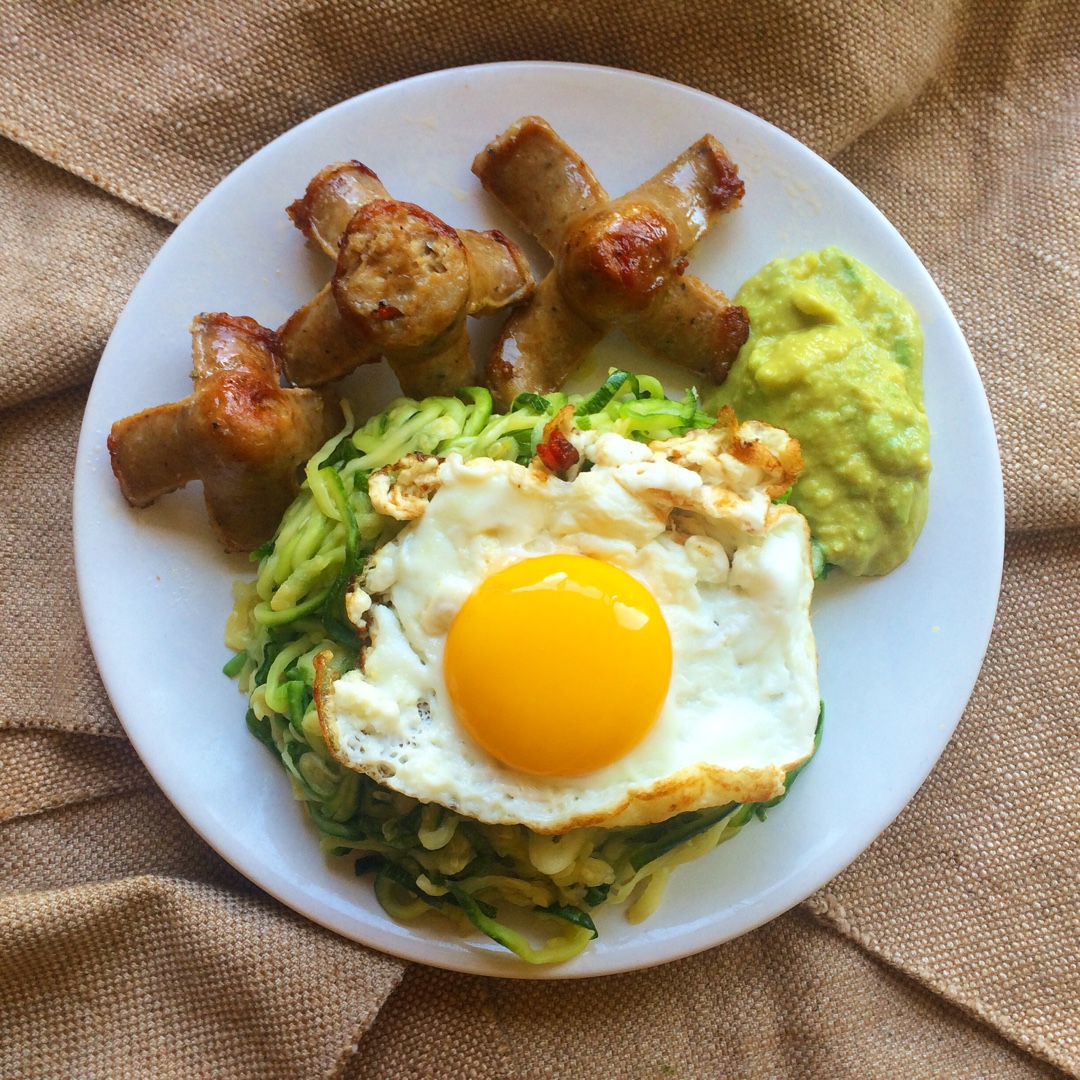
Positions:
(898, 656)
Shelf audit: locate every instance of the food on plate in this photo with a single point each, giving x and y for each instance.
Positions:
(664, 562)
(403, 283)
(835, 358)
(239, 431)
(617, 262)
(386, 558)
(538, 658)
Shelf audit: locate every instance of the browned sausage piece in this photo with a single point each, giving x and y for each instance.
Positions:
(693, 190)
(523, 358)
(687, 321)
(318, 345)
(403, 283)
(239, 431)
(437, 369)
(617, 262)
(540, 180)
(693, 325)
(403, 280)
(499, 276)
(151, 454)
(402, 275)
(375, 275)
(332, 197)
(615, 259)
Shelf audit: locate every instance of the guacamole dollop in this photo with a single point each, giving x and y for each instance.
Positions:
(835, 357)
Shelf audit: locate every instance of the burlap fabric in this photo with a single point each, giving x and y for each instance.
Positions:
(128, 949)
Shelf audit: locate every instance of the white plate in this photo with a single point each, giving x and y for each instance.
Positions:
(899, 656)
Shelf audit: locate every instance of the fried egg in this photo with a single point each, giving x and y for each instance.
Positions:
(609, 648)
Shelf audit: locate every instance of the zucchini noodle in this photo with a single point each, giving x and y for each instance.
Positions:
(426, 858)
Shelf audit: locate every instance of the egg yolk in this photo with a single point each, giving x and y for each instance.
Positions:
(559, 664)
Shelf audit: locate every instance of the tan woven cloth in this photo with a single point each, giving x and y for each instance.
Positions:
(128, 949)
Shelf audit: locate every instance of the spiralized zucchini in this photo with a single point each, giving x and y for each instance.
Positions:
(425, 858)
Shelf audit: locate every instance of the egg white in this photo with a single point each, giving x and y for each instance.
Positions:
(692, 519)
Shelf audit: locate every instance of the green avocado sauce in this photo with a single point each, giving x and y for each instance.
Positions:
(835, 358)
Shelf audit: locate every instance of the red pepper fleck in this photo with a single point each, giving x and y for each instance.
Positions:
(681, 265)
(387, 311)
(558, 453)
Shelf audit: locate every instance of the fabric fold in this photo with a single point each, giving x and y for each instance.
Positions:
(43, 770)
(979, 176)
(205, 86)
(793, 999)
(966, 891)
(72, 254)
(211, 978)
(141, 953)
(48, 679)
